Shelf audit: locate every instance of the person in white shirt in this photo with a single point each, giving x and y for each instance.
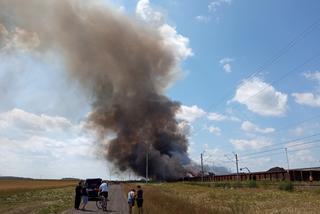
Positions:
(131, 198)
(103, 190)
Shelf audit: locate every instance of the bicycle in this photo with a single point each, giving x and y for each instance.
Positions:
(102, 203)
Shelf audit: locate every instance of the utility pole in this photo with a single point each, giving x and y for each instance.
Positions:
(286, 150)
(202, 167)
(147, 165)
(237, 164)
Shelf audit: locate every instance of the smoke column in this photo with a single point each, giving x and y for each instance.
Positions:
(125, 68)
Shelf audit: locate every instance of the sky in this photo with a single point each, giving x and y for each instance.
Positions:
(248, 84)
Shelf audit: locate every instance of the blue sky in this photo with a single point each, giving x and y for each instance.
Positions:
(220, 45)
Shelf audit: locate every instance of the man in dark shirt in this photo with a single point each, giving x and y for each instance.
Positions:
(139, 199)
(77, 199)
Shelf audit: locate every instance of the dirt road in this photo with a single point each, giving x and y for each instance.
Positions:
(117, 203)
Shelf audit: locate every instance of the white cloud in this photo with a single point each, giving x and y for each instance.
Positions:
(226, 60)
(226, 64)
(250, 127)
(298, 131)
(242, 144)
(175, 41)
(145, 11)
(171, 38)
(216, 116)
(227, 68)
(256, 163)
(185, 128)
(214, 5)
(304, 155)
(299, 152)
(35, 145)
(306, 128)
(204, 19)
(261, 98)
(219, 117)
(190, 114)
(308, 99)
(214, 130)
(45, 157)
(312, 75)
(32, 122)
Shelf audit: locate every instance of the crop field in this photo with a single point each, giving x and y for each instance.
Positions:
(181, 198)
(49, 196)
(35, 196)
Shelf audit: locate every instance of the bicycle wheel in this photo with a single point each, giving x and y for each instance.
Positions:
(99, 204)
(105, 205)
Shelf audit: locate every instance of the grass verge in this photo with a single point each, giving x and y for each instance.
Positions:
(185, 198)
(44, 200)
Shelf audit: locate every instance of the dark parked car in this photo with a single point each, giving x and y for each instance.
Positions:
(92, 185)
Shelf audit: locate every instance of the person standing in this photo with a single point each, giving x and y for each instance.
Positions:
(85, 197)
(139, 199)
(131, 197)
(77, 199)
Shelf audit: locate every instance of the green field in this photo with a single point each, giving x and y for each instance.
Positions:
(36, 196)
(181, 198)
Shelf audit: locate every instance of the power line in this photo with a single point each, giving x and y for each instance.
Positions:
(279, 79)
(279, 153)
(297, 123)
(283, 76)
(285, 142)
(274, 58)
(280, 148)
(301, 149)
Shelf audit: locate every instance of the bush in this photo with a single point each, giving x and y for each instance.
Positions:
(286, 186)
(237, 184)
(222, 184)
(252, 184)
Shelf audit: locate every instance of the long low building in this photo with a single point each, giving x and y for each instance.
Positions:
(302, 174)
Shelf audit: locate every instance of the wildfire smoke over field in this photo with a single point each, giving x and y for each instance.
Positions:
(124, 66)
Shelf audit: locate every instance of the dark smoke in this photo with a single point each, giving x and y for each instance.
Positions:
(124, 67)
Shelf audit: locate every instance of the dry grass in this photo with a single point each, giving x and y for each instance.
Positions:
(184, 198)
(17, 185)
(36, 196)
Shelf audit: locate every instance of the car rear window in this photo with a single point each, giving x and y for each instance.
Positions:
(92, 183)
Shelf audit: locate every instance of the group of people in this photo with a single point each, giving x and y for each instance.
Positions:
(133, 197)
(82, 193)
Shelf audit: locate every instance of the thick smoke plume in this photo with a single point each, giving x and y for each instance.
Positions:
(125, 68)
